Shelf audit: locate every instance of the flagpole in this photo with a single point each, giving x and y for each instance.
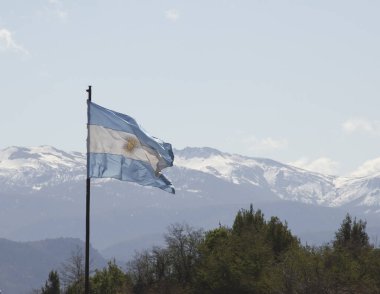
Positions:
(88, 182)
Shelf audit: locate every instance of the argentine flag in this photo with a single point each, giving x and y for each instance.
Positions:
(119, 148)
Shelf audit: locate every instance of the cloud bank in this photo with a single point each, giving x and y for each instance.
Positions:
(368, 168)
(323, 165)
(361, 125)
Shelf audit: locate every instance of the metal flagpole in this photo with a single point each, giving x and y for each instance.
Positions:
(87, 265)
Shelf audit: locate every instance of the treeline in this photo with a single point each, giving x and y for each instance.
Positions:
(255, 255)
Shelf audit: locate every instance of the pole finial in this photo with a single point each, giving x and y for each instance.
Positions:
(89, 92)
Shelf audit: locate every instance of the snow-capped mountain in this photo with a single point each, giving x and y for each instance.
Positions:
(287, 182)
(45, 166)
(37, 167)
(43, 188)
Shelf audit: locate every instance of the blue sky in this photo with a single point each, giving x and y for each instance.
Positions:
(295, 81)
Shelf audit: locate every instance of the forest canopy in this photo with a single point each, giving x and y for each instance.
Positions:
(254, 255)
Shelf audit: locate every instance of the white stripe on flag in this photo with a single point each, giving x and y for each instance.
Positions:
(104, 140)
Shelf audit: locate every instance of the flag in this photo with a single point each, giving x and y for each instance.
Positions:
(119, 148)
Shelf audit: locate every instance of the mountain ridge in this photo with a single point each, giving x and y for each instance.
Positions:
(43, 191)
(25, 266)
(42, 166)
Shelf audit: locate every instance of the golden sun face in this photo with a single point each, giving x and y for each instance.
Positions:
(131, 144)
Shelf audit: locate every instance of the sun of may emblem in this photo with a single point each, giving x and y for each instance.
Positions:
(131, 144)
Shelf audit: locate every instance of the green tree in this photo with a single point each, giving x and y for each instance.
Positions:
(110, 280)
(170, 269)
(52, 285)
(349, 260)
(352, 235)
(242, 259)
(248, 220)
(280, 236)
(254, 256)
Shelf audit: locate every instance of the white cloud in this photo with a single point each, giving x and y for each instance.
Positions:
(323, 165)
(8, 43)
(368, 168)
(172, 15)
(265, 144)
(361, 125)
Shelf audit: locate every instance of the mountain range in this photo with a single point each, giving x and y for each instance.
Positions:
(43, 196)
(25, 266)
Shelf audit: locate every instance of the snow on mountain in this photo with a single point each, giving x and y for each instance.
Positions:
(287, 182)
(363, 191)
(42, 196)
(43, 166)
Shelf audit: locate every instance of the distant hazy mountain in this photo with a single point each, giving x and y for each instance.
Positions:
(43, 196)
(25, 266)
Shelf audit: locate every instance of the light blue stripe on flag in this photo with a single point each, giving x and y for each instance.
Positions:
(119, 148)
(101, 116)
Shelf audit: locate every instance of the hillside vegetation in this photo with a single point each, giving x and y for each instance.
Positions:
(255, 255)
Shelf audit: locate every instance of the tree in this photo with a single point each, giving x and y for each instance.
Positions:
(182, 245)
(248, 220)
(280, 236)
(170, 269)
(141, 271)
(110, 280)
(254, 256)
(72, 272)
(52, 285)
(352, 235)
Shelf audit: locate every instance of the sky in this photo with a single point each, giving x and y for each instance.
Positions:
(294, 81)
